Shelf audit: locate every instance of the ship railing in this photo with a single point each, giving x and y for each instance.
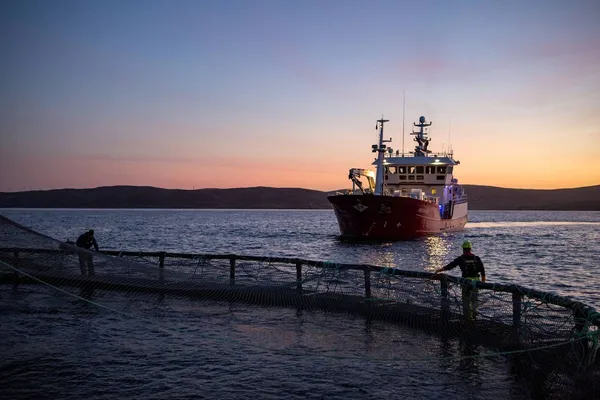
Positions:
(428, 199)
(459, 199)
(412, 154)
(351, 192)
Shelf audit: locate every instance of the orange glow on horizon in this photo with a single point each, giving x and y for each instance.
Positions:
(321, 175)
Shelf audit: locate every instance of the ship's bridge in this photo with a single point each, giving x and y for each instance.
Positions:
(409, 170)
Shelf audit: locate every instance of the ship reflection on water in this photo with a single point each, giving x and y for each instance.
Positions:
(423, 254)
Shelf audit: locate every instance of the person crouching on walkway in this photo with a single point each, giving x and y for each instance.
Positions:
(86, 240)
(472, 268)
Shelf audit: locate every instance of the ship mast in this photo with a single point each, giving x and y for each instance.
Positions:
(380, 148)
(421, 138)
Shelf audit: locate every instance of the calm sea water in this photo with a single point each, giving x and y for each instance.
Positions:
(548, 250)
(121, 345)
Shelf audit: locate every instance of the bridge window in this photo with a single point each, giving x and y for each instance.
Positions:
(420, 177)
(411, 170)
(450, 170)
(402, 169)
(402, 177)
(411, 177)
(420, 169)
(441, 170)
(440, 177)
(392, 170)
(430, 169)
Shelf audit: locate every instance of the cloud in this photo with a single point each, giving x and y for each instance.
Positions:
(552, 48)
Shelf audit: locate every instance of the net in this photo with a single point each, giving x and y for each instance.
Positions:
(532, 328)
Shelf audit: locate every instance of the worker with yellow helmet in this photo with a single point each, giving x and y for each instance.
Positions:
(470, 264)
(472, 268)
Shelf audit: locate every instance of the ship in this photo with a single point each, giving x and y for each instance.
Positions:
(408, 195)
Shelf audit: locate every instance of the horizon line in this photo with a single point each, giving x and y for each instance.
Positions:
(265, 187)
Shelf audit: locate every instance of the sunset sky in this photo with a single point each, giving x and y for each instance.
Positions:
(195, 94)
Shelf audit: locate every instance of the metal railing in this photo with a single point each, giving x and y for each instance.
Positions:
(579, 309)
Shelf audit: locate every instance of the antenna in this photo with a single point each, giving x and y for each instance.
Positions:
(449, 141)
(403, 123)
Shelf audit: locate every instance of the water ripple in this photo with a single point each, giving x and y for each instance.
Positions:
(55, 346)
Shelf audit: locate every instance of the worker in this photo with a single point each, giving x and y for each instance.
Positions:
(472, 268)
(86, 240)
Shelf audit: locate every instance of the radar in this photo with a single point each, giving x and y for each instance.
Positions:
(422, 120)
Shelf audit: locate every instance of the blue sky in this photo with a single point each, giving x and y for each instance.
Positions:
(189, 93)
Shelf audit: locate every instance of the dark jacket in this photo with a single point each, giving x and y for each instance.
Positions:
(470, 266)
(86, 240)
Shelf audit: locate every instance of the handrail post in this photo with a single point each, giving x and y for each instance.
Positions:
(232, 271)
(299, 277)
(367, 282)
(517, 300)
(444, 300)
(589, 349)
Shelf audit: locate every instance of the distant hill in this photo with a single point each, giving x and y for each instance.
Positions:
(151, 197)
(480, 198)
(496, 198)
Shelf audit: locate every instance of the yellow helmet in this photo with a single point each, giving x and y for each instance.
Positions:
(466, 244)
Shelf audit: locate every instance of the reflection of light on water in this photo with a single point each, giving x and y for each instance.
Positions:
(525, 224)
(437, 248)
(385, 258)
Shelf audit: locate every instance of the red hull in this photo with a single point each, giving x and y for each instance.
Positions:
(390, 218)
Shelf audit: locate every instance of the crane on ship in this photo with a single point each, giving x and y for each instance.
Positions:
(355, 174)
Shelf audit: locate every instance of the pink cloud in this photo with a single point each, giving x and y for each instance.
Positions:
(557, 48)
